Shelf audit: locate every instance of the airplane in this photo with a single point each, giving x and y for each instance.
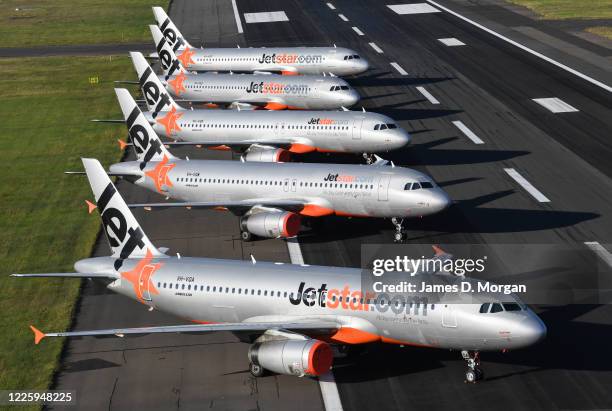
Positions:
(290, 314)
(285, 60)
(271, 198)
(270, 91)
(266, 135)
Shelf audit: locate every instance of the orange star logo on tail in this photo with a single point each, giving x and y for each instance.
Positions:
(185, 57)
(159, 174)
(169, 121)
(177, 83)
(140, 276)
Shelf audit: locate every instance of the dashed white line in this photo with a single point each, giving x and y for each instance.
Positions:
(376, 48)
(428, 96)
(331, 6)
(237, 16)
(555, 105)
(535, 193)
(399, 68)
(343, 17)
(416, 8)
(327, 382)
(356, 30)
(265, 17)
(600, 251)
(525, 48)
(451, 42)
(468, 133)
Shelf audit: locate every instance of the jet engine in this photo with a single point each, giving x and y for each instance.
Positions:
(271, 224)
(292, 357)
(266, 154)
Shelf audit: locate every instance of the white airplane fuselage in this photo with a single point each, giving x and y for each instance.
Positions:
(304, 131)
(341, 189)
(270, 91)
(210, 290)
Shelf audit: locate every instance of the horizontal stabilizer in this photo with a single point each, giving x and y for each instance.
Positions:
(108, 121)
(69, 275)
(110, 174)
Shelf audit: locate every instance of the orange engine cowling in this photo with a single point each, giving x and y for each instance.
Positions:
(272, 224)
(293, 357)
(267, 155)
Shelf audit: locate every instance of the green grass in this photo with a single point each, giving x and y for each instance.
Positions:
(604, 31)
(45, 22)
(44, 226)
(569, 9)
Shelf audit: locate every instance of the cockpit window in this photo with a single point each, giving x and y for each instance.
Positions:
(391, 125)
(496, 308)
(407, 186)
(426, 184)
(484, 308)
(416, 186)
(355, 56)
(377, 127)
(512, 307)
(344, 87)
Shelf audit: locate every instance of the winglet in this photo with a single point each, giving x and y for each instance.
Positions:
(122, 144)
(38, 335)
(90, 206)
(438, 251)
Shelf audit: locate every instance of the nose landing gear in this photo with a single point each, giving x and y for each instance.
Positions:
(369, 158)
(399, 234)
(474, 373)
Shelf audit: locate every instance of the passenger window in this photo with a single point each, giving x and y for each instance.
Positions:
(484, 308)
(496, 308)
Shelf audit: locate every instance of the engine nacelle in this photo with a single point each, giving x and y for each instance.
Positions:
(272, 224)
(293, 357)
(267, 155)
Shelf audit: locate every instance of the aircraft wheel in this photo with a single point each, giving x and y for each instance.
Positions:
(257, 370)
(246, 236)
(471, 376)
(398, 237)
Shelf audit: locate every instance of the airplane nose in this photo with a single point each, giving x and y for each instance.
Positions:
(532, 329)
(363, 65)
(351, 98)
(440, 201)
(399, 139)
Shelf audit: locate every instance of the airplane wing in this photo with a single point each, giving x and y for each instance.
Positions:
(238, 144)
(238, 206)
(320, 327)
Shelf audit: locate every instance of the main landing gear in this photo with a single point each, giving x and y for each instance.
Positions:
(369, 158)
(399, 234)
(474, 373)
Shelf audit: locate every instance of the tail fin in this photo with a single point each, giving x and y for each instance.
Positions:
(146, 142)
(169, 29)
(124, 235)
(152, 88)
(171, 65)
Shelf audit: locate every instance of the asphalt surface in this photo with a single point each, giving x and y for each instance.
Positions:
(488, 85)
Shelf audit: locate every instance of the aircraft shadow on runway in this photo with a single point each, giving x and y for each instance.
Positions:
(465, 216)
(378, 79)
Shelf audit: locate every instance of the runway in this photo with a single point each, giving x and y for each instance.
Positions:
(486, 84)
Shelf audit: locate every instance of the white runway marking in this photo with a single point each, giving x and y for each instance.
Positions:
(600, 251)
(451, 42)
(418, 8)
(399, 69)
(343, 17)
(327, 382)
(556, 105)
(237, 16)
(356, 30)
(468, 133)
(376, 48)
(525, 48)
(428, 95)
(331, 6)
(527, 185)
(265, 17)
